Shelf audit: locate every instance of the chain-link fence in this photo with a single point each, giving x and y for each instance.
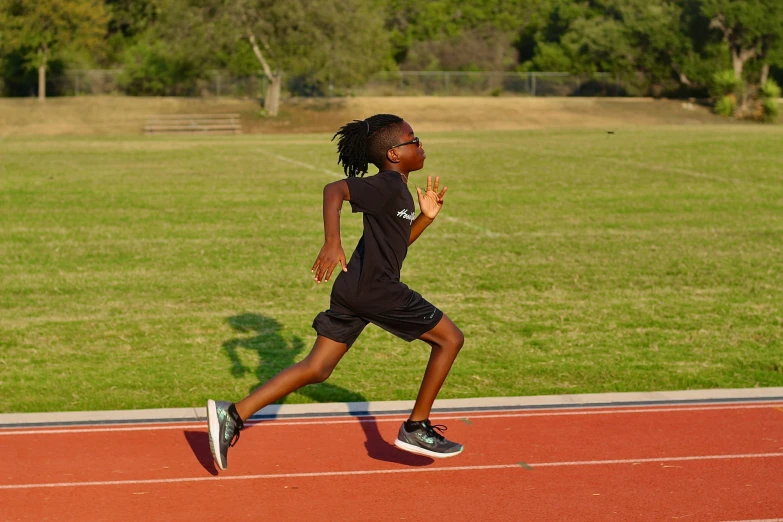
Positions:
(462, 83)
(401, 83)
(117, 81)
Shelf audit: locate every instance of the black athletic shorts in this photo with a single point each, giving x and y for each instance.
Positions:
(409, 321)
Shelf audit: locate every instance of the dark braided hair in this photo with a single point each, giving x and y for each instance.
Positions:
(366, 141)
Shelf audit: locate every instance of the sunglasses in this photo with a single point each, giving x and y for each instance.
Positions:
(415, 141)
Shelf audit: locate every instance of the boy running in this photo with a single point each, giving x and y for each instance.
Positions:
(368, 288)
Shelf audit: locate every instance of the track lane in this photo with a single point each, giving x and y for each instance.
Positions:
(693, 490)
(491, 440)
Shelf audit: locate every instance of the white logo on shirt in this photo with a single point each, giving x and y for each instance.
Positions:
(404, 214)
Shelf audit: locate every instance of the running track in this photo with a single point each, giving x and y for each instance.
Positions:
(695, 462)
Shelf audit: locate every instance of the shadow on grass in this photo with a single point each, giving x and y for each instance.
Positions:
(262, 335)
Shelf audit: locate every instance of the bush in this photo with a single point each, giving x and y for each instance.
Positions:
(151, 68)
(724, 83)
(726, 105)
(770, 110)
(770, 90)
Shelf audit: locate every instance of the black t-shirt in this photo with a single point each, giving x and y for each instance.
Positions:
(372, 282)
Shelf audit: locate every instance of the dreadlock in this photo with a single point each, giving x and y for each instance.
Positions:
(366, 141)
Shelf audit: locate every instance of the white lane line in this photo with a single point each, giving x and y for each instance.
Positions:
(520, 465)
(757, 520)
(390, 418)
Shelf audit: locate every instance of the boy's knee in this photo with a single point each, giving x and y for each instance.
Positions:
(319, 373)
(454, 341)
(458, 340)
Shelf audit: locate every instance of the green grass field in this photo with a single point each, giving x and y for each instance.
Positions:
(157, 272)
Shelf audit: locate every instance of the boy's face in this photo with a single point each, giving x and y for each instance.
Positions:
(410, 156)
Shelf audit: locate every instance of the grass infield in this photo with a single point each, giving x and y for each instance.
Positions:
(158, 272)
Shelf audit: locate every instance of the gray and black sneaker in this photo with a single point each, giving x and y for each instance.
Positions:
(425, 440)
(224, 424)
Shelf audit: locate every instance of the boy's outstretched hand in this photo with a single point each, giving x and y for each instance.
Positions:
(431, 201)
(330, 255)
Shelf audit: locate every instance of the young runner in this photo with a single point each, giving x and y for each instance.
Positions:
(368, 288)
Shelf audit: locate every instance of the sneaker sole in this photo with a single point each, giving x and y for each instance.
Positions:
(213, 425)
(421, 451)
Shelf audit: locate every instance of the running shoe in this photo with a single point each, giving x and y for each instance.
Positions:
(425, 439)
(224, 429)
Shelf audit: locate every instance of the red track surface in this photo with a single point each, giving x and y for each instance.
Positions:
(695, 462)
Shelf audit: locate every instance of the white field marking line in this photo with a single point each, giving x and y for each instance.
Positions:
(300, 163)
(308, 166)
(392, 471)
(474, 227)
(390, 418)
(673, 170)
(634, 163)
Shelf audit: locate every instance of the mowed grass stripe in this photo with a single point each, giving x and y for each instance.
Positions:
(142, 272)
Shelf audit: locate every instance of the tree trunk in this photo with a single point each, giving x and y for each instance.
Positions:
(736, 63)
(259, 55)
(764, 73)
(42, 76)
(272, 98)
(683, 79)
(738, 58)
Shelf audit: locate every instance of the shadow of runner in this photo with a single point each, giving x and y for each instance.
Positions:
(276, 354)
(199, 444)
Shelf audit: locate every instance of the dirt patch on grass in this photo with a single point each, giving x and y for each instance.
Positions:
(118, 115)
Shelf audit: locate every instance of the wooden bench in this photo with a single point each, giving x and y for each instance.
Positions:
(193, 124)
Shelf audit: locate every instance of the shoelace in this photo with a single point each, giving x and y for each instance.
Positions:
(431, 430)
(238, 425)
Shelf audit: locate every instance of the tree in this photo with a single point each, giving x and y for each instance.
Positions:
(339, 41)
(458, 34)
(45, 28)
(750, 28)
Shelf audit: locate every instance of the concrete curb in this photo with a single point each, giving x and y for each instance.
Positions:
(14, 420)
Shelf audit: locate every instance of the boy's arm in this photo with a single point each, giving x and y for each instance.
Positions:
(417, 227)
(430, 203)
(332, 252)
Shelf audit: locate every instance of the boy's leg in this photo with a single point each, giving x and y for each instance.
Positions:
(316, 367)
(225, 420)
(446, 340)
(417, 434)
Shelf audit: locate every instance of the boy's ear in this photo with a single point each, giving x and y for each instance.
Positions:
(392, 156)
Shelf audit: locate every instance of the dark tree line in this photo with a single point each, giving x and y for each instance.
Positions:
(666, 47)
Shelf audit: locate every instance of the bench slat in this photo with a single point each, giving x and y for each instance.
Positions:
(201, 116)
(193, 123)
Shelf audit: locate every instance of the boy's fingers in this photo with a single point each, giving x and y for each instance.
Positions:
(344, 264)
(315, 265)
(418, 191)
(429, 183)
(443, 192)
(437, 180)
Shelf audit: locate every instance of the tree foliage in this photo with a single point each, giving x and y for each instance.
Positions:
(42, 30)
(168, 46)
(752, 29)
